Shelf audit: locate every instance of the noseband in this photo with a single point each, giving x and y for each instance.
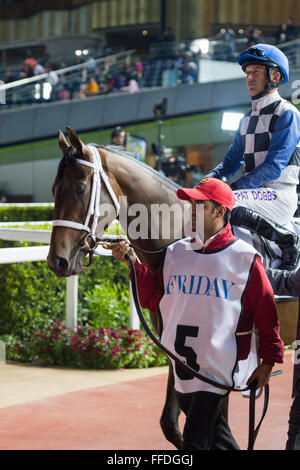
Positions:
(99, 176)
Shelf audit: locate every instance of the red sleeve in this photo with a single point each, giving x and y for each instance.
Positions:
(260, 307)
(150, 286)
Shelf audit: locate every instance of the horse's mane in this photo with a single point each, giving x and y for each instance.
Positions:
(69, 158)
(123, 153)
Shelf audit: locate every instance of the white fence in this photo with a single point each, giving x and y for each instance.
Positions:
(40, 253)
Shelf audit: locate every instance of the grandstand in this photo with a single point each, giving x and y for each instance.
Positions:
(87, 76)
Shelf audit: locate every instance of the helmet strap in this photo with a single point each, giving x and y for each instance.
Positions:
(270, 85)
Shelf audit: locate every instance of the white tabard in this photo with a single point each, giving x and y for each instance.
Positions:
(201, 308)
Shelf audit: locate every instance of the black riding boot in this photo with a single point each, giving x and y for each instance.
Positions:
(293, 442)
(288, 242)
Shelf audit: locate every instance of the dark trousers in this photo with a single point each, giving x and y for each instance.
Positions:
(293, 442)
(205, 428)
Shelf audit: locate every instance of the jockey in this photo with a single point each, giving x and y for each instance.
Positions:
(267, 146)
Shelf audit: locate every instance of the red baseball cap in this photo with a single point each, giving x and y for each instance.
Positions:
(209, 189)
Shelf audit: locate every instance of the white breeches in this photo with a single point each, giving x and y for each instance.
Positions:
(279, 205)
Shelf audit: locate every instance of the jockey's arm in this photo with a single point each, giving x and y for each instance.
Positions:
(232, 162)
(282, 145)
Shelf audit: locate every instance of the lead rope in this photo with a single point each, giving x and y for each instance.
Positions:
(253, 432)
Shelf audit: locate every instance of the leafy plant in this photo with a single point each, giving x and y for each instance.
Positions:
(107, 305)
(87, 347)
(31, 213)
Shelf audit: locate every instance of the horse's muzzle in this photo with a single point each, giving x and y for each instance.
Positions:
(62, 267)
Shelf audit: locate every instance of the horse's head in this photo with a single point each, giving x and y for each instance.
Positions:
(74, 198)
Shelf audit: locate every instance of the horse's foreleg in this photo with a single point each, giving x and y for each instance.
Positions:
(171, 411)
(169, 417)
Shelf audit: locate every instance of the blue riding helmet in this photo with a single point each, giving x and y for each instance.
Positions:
(270, 56)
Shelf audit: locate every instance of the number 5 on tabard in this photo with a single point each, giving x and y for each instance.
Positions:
(182, 333)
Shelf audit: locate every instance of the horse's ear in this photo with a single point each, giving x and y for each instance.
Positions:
(75, 141)
(62, 141)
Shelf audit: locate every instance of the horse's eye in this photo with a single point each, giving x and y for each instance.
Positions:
(80, 188)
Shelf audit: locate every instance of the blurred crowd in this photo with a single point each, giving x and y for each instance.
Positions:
(92, 77)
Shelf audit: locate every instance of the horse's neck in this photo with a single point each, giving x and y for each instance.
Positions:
(147, 188)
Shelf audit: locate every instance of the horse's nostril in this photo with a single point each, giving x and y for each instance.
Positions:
(62, 263)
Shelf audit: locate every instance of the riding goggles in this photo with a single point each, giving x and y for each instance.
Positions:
(255, 51)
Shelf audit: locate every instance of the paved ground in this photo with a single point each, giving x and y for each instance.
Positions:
(58, 409)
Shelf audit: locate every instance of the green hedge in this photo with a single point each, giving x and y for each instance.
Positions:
(31, 295)
(32, 312)
(25, 213)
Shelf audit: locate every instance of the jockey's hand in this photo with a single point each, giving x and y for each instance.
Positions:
(120, 249)
(261, 374)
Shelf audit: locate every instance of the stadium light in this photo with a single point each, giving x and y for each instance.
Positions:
(200, 45)
(231, 121)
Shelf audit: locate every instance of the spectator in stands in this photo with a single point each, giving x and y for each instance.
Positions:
(292, 31)
(286, 32)
(113, 82)
(39, 69)
(132, 85)
(91, 88)
(3, 198)
(90, 63)
(62, 64)
(52, 75)
(9, 76)
(252, 36)
(139, 70)
(189, 69)
(227, 34)
(53, 82)
(281, 35)
(77, 60)
(30, 60)
(64, 93)
(168, 35)
(25, 71)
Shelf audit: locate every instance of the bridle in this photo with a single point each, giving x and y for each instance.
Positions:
(99, 175)
(93, 212)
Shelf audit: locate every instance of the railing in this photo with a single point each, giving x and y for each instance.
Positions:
(45, 87)
(165, 67)
(292, 50)
(40, 253)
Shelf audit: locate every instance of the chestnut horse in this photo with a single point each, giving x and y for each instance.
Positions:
(72, 234)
